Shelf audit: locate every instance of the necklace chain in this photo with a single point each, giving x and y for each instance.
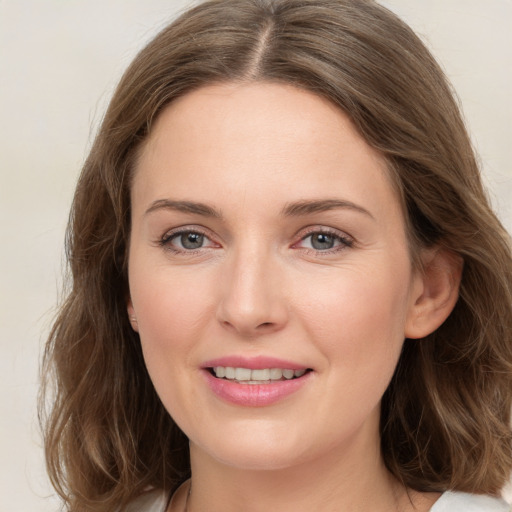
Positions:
(188, 496)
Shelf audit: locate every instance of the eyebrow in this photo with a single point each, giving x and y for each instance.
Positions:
(307, 207)
(296, 209)
(183, 206)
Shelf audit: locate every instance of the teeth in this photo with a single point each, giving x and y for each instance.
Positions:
(260, 374)
(243, 374)
(248, 376)
(276, 373)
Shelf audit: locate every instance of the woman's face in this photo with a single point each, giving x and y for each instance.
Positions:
(267, 241)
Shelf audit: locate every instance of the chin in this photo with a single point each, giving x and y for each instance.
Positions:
(257, 459)
(272, 450)
(244, 449)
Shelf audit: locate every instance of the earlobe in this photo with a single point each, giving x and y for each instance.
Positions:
(131, 315)
(435, 292)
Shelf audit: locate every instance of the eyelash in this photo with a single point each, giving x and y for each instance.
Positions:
(344, 241)
(165, 241)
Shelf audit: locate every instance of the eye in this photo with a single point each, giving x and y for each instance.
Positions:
(186, 240)
(324, 241)
(190, 240)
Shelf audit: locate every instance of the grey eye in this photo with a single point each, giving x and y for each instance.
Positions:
(322, 241)
(191, 240)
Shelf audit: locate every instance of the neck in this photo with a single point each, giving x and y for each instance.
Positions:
(343, 479)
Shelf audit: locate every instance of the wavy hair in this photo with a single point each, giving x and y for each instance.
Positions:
(445, 420)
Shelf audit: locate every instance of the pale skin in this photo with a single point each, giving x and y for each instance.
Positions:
(299, 252)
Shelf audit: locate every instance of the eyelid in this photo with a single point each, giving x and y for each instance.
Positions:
(347, 241)
(166, 238)
(170, 233)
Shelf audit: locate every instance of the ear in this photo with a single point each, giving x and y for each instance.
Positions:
(131, 315)
(435, 292)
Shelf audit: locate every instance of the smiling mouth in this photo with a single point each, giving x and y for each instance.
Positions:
(259, 376)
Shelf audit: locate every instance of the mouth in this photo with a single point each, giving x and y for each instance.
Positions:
(255, 382)
(260, 376)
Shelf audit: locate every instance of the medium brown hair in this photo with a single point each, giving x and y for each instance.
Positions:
(445, 421)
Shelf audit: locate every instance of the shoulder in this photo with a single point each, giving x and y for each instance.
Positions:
(153, 501)
(462, 502)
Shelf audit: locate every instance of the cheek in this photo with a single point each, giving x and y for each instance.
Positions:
(357, 303)
(171, 313)
(168, 301)
(358, 324)
(359, 329)
(171, 310)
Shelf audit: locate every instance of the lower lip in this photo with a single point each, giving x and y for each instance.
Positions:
(254, 395)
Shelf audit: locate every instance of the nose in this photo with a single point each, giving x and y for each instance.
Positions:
(253, 300)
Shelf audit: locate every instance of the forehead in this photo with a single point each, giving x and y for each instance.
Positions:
(253, 136)
(265, 109)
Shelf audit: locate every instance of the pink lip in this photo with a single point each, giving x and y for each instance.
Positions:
(254, 363)
(254, 395)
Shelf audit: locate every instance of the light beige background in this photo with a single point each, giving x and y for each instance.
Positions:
(59, 61)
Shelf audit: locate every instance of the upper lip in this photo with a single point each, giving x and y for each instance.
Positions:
(254, 363)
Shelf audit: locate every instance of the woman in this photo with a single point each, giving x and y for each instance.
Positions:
(289, 291)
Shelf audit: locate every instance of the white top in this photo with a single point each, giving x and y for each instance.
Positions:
(462, 502)
(155, 501)
(449, 502)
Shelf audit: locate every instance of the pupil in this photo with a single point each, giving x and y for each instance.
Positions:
(322, 241)
(192, 240)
